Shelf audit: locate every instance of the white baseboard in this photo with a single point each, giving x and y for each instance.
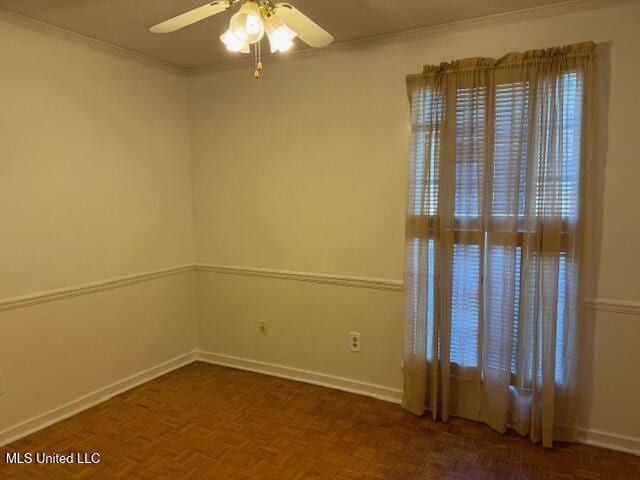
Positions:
(596, 438)
(87, 401)
(613, 441)
(316, 378)
(590, 437)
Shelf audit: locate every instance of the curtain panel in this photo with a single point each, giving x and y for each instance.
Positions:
(499, 178)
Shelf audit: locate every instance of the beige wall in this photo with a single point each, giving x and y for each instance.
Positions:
(308, 326)
(305, 170)
(54, 353)
(95, 183)
(95, 179)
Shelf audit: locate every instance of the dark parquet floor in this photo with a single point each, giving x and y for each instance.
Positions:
(208, 422)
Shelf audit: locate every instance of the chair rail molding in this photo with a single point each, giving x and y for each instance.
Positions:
(322, 278)
(84, 289)
(614, 306)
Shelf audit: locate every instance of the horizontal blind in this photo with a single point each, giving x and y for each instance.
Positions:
(511, 152)
(468, 198)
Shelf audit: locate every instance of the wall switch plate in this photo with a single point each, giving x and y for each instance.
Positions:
(354, 341)
(1, 383)
(262, 327)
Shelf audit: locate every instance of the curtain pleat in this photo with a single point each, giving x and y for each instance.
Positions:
(499, 169)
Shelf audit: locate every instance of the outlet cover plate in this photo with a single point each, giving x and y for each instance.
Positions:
(354, 341)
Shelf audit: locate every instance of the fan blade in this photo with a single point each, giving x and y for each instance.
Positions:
(309, 32)
(192, 16)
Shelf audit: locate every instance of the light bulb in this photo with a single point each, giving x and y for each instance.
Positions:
(282, 41)
(280, 35)
(252, 24)
(233, 43)
(247, 23)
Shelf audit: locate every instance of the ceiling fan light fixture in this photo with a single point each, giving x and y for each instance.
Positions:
(247, 24)
(280, 35)
(233, 43)
(282, 22)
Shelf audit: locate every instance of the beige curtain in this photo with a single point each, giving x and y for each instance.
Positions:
(498, 180)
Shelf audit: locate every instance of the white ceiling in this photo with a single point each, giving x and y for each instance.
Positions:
(125, 23)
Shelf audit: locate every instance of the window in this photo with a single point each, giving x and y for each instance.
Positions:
(494, 235)
(497, 143)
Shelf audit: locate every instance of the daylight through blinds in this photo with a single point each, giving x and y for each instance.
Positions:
(499, 167)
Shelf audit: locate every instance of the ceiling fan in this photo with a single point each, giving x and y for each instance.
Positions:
(281, 22)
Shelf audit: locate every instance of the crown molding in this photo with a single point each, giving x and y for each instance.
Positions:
(17, 19)
(515, 16)
(326, 279)
(543, 11)
(84, 289)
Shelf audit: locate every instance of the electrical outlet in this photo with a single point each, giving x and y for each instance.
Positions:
(262, 327)
(354, 341)
(1, 384)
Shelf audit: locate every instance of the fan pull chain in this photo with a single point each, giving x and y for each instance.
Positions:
(257, 54)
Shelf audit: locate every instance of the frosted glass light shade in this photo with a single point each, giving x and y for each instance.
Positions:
(233, 43)
(280, 35)
(247, 23)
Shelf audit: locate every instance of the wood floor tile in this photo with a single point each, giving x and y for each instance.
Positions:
(208, 422)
